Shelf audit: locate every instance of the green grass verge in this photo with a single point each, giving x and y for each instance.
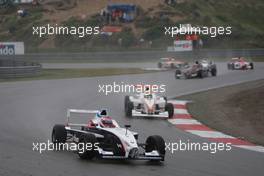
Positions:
(88, 60)
(78, 73)
(236, 110)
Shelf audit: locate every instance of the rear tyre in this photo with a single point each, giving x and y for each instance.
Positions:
(88, 142)
(170, 108)
(112, 142)
(156, 143)
(159, 65)
(232, 66)
(187, 75)
(229, 66)
(177, 73)
(200, 74)
(59, 134)
(126, 101)
(206, 73)
(214, 71)
(251, 65)
(129, 108)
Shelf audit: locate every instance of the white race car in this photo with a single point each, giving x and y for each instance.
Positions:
(239, 64)
(104, 138)
(170, 63)
(148, 105)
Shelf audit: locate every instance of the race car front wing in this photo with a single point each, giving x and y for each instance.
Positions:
(164, 114)
(153, 155)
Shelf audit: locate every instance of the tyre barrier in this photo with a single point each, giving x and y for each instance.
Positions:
(18, 69)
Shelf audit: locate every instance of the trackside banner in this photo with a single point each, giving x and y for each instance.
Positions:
(181, 45)
(12, 48)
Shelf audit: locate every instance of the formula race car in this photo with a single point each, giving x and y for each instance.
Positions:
(199, 69)
(148, 105)
(170, 63)
(104, 138)
(239, 64)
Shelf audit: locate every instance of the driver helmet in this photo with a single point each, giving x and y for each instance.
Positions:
(148, 96)
(102, 113)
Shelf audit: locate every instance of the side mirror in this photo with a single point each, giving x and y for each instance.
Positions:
(127, 126)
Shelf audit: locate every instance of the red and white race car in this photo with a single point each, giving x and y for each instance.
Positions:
(148, 105)
(170, 62)
(240, 64)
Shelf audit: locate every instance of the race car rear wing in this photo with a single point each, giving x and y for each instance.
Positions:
(78, 111)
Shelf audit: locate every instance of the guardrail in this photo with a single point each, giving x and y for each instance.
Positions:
(21, 71)
(135, 55)
(18, 69)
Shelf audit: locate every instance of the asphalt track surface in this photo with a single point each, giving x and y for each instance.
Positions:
(30, 109)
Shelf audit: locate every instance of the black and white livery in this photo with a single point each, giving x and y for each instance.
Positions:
(107, 139)
(199, 69)
(148, 105)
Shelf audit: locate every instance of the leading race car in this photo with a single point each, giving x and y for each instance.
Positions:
(169, 62)
(148, 104)
(240, 64)
(199, 69)
(106, 139)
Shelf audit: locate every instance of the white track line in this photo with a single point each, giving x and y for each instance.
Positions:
(205, 134)
(184, 121)
(209, 134)
(179, 102)
(253, 148)
(180, 111)
(155, 69)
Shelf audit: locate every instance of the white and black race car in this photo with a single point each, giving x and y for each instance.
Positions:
(107, 139)
(148, 105)
(199, 69)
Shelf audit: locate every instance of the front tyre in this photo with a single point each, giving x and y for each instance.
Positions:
(159, 65)
(165, 98)
(214, 71)
(156, 143)
(129, 108)
(87, 151)
(251, 65)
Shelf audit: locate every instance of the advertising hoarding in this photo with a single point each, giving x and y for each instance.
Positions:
(12, 48)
